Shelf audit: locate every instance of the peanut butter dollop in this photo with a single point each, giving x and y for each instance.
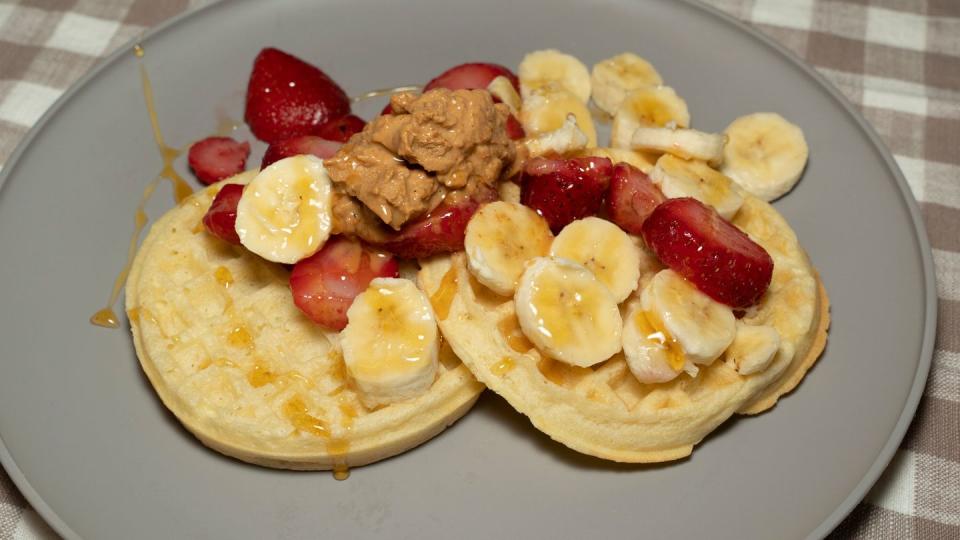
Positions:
(402, 165)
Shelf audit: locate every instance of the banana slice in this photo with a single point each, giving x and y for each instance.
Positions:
(652, 106)
(681, 178)
(551, 67)
(651, 357)
(546, 110)
(753, 348)
(501, 237)
(567, 312)
(604, 249)
(702, 327)
(765, 154)
(641, 160)
(612, 79)
(284, 214)
(390, 342)
(683, 143)
(568, 138)
(502, 88)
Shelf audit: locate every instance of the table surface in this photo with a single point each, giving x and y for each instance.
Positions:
(898, 61)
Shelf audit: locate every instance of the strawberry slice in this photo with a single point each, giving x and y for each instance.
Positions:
(340, 129)
(720, 259)
(304, 144)
(471, 76)
(287, 97)
(564, 190)
(221, 218)
(387, 110)
(215, 158)
(325, 284)
(440, 231)
(631, 198)
(514, 129)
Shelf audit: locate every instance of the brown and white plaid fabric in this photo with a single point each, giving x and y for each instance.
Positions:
(897, 60)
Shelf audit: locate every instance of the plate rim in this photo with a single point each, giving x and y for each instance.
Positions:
(927, 348)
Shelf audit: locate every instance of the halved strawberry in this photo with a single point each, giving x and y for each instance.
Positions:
(325, 284)
(221, 218)
(215, 158)
(514, 129)
(720, 259)
(471, 76)
(304, 144)
(287, 97)
(340, 129)
(631, 197)
(440, 231)
(564, 190)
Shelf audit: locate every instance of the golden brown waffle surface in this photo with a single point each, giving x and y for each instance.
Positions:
(604, 411)
(230, 355)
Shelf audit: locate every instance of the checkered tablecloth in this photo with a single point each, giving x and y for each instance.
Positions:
(897, 60)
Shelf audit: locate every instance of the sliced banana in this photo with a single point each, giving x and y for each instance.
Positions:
(683, 143)
(753, 348)
(701, 326)
(551, 67)
(604, 249)
(652, 107)
(567, 312)
(390, 343)
(681, 178)
(502, 88)
(546, 110)
(765, 154)
(651, 357)
(501, 238)
(568, 138)
(284, 214)
(641, 160)
(612, 79)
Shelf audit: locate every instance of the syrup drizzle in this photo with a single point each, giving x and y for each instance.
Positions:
(181, 189)
(385, 92)
(106, 316)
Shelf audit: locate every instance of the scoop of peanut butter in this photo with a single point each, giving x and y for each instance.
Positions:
(402, 165)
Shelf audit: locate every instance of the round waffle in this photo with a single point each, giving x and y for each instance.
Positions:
(603, 410)
(230, 355)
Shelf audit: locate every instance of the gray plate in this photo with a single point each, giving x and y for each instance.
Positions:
(97, 455)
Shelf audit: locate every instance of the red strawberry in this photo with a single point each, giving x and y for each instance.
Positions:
(304, 144)
(440, 231)
(221, 218)
(340, 129)
(471, 76)
(216, 158)
(325, 284)
(387, 110)
(720, 259)
(563, 190)
(514, 129)
(631, 198)
(287, 97)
